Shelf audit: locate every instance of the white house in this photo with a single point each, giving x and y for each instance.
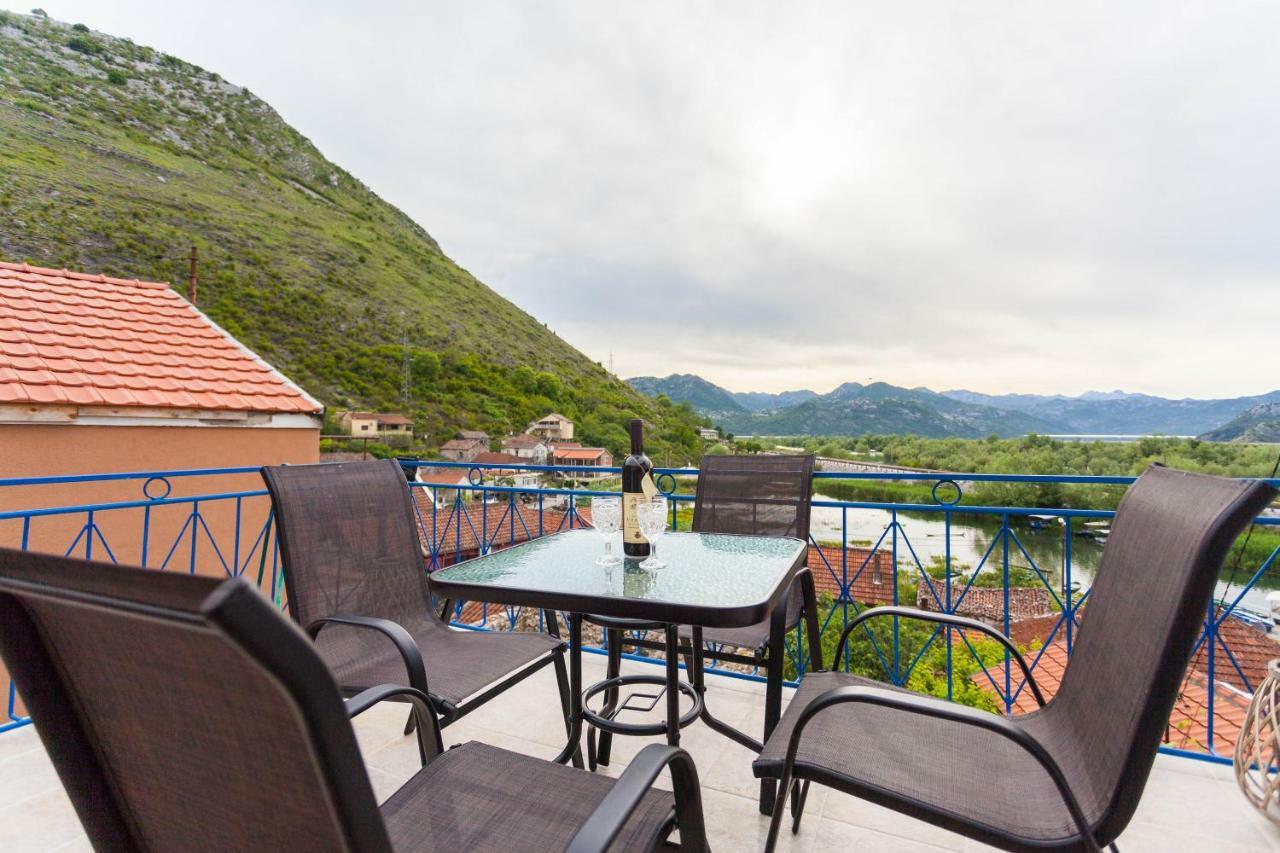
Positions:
(529, 448)
(553, 426)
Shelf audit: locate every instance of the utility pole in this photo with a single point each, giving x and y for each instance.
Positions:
(406, 386)
(191, 276)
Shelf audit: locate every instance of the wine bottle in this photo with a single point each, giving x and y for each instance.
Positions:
(635, 470)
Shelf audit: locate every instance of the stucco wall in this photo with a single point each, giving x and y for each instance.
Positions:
(31, 450)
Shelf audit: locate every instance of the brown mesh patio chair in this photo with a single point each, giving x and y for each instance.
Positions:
(1069, 775)
(357, 583)
(758, 496)
(184, 713)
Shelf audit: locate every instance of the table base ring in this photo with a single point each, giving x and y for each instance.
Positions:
(613, 726)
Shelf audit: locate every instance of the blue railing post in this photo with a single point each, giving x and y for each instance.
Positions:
(946, 566)
(1008, 659)
(897, 669)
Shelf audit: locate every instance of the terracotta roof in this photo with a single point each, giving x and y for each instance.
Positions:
(585, 454)
(1250, 648)
(441, 477)
(488, 458)
(364, 416)
(459, 444)
(1187, 729)
(75, 339)
(501, 524)
(394, 420)
(473, 434)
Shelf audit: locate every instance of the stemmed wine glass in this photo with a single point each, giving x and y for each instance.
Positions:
(606, 518)
(652, 515)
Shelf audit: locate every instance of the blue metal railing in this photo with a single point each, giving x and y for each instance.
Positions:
(230, 530)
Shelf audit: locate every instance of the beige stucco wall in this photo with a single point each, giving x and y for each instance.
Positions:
(32, 450)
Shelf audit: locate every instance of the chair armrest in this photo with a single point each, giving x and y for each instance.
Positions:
(929, 706)
(944, 619)
(604, 824)
(398, 636)
(366, 699)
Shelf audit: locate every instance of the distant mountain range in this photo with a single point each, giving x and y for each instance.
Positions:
(709, 398)
(857, 409)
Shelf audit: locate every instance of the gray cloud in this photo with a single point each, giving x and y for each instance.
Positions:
(1041, 197)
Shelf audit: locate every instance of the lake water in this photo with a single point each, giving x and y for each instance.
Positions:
(972, 535)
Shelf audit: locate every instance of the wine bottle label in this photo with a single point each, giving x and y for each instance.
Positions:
(631, 520)
(648, 486)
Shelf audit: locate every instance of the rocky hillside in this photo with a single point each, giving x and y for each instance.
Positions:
(117, 158)
(1260, 423)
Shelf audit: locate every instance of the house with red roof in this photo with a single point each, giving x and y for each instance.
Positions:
(101, 374)
(580, 457)
(1241, 655)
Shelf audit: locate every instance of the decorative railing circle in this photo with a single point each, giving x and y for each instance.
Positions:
(475, 477)
(953, 484)
(661, 480)
(146, 488)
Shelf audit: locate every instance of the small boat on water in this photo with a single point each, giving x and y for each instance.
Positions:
(1044, 522)
(1098, 531)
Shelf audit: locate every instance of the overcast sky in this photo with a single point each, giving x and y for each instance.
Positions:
(1002, 197)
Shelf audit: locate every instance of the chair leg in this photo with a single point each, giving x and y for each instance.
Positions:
(613, 640)
(411, 723)
(562, 681)
(772, 706)
(799, 794)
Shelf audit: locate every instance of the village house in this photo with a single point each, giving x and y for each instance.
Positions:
(101, 374)
(708, 434)
(375, 424)
(441, 486)
(530, 449)
(507, 476)
(578, 456)
(467, 445)
(552, 427)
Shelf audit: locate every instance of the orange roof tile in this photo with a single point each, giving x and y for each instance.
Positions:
(69, 338)
(584, 454)
(448, 531)
(1188, 722)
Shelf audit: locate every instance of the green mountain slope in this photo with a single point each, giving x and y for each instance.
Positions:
(1260, 423)
(117, 158)
(704, 396)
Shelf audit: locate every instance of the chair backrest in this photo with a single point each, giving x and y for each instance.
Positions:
(182, 713)
(349, 541)
(1144, 612)
(757, 495)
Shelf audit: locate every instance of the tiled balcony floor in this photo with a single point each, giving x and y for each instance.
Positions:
(1188, 805)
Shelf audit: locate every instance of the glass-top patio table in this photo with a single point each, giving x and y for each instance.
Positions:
(710, 581)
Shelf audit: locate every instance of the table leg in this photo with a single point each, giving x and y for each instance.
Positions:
(552, 620)
(573, 748)
(697, 654)
(673, 685)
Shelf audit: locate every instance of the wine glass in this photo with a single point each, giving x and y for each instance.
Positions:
(652, 515)
(606, 518)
